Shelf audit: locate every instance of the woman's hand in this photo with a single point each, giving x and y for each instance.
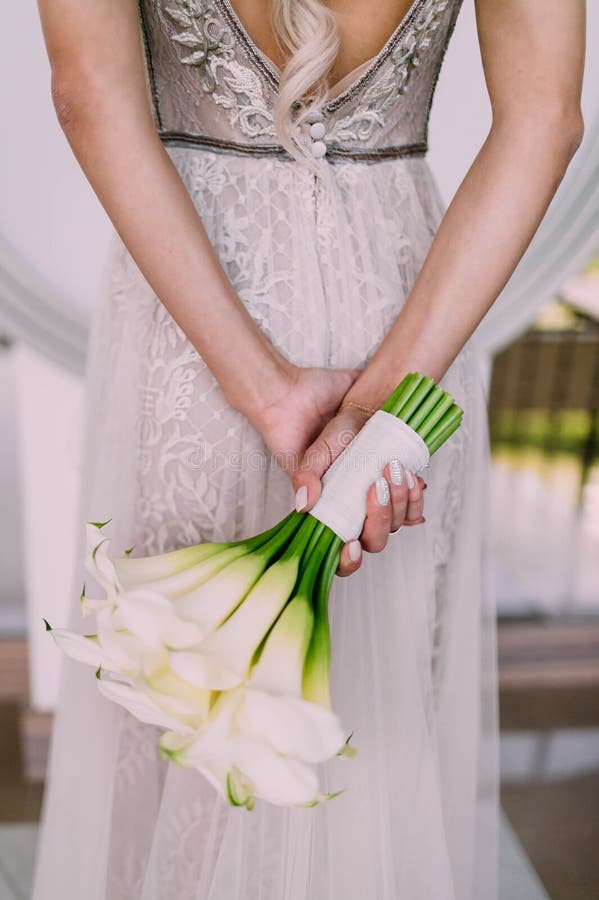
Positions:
(394, 500)
(301, 402)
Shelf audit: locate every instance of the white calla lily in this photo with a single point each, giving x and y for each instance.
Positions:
(91, 605)
(293, 726)
(240, 767)
(237, 639)
(208, 749)
(223, 659)
(178, 572)
(281, 663)
(83, 648)
(152, 618)
(123, 650)
(108, 649)
(279, 779)
(243, 750)
(97, 561)
(203, 670)
(210, 604)
(145, 707)
(147, 664)
(159, 676)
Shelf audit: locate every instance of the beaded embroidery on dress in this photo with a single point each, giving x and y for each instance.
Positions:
(323, 263)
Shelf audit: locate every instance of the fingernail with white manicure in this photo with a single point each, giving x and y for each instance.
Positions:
(383, 495)
(355, 550)
(410, 480)
(396, 470)
(301, 498)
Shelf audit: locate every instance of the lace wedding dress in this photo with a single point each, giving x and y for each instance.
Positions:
(324, 263)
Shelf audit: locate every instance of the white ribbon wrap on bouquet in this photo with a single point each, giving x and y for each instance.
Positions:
(342, 503)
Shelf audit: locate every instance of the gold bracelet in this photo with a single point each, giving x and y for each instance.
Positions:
(362, 406)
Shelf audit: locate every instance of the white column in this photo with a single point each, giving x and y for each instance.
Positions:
(12, 614)
(49, 435)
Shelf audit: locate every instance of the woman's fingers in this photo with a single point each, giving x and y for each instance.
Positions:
(350, 558)
(395, 474)
(414, 513)
(332, 440)
(306, 478)
(375, 532)
(379, 514)
(397, 498)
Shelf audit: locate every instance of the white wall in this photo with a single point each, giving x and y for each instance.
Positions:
(47, 208)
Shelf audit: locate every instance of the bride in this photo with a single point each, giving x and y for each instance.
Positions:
(281, 259)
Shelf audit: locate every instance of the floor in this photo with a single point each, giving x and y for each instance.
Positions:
(549, 712)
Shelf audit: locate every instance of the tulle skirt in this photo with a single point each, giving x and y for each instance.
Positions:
(324, 266)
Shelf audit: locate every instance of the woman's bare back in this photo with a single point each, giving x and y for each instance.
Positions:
(364, 26)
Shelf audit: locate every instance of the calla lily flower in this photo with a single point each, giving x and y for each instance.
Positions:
(83, 648)
(152, 707)
(153, 620)
(240, 765)
(97, 561)
(223, 660)
(260, 738)
(142, 664)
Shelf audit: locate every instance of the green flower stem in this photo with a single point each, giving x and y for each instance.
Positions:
(402, 393)
(452, 415)
(425, 409)
(316, 686)
(259, 539)
(439, 437)
(435, 416)
(302, 538)
(281, 536)
(312, 557)
(418, 397)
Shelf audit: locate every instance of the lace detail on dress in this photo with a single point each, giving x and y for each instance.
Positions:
(407, 56)
(204, 35)
(240, 94)
(393, 78)
(235, 87)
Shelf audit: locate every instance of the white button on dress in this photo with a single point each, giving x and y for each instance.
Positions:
(316, 130)
(319, 148)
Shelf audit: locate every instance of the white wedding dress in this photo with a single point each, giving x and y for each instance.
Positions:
(324, 264)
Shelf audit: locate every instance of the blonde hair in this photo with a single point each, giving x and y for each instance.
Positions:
(308, 32)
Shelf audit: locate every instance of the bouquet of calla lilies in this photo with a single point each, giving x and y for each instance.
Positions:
(226, 646)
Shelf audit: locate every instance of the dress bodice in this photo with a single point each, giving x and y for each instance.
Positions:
(210, 85)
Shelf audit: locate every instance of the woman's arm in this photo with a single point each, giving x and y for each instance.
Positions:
(99, 92)
(533, 58)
